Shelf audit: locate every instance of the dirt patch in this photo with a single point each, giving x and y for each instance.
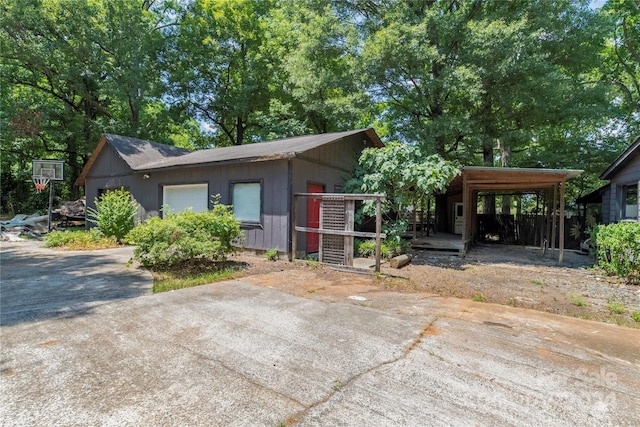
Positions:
(508, 275)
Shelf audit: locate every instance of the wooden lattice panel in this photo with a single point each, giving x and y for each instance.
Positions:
(333, 218)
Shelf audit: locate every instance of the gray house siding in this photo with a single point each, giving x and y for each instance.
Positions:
(329, 166)
(281, 167)
(629, 175)
(606, 207)
(110, 172)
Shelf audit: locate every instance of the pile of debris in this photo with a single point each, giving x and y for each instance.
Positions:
(23, 224)
(70, 213)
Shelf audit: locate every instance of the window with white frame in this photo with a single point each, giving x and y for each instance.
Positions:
(246, 199)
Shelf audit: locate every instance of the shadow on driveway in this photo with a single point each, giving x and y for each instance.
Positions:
(38, 283)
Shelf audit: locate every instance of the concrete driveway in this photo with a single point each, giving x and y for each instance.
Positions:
(238, 354)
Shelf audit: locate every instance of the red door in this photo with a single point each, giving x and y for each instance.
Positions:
(313, 218)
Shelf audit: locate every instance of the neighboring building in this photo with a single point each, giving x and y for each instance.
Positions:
(620, 199)
(259, 179)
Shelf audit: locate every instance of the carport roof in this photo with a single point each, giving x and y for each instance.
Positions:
(491, 179)
(496, 179)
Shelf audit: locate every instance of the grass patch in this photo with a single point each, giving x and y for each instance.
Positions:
(616, 307)
(636, 316)
(537, 283)
(479, 298)
(577, 300)
(190, 275)
(80, 240)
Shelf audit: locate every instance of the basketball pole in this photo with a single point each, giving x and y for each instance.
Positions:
(51, 191)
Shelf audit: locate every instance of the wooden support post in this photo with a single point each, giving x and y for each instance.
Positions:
(537, 226)
(294, 236)
(554, 217)
(473, 211)
(465, 209)
(561, 219)
(378, 231)
(320, 254)
(638, 197)
(349, 219)
(547, 232)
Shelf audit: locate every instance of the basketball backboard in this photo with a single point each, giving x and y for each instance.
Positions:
(52, 169)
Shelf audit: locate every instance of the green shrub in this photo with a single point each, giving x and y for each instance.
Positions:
(616, 307)
(79, 239)
(618, 249)
(388, 248)
(272, 254)
(185, 237)
(114, 213)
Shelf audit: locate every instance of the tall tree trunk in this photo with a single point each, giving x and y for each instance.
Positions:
(489, 204)
(505, 160)
(239, 131)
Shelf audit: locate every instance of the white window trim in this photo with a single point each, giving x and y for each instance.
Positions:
(253, 219)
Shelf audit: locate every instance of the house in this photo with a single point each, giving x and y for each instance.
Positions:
(620, 199)
(259, 179)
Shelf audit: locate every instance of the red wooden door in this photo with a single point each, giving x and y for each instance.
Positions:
(313, 218)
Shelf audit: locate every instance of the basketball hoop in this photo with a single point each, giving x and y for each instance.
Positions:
(40, 183)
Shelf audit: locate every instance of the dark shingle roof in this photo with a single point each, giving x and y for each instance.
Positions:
(138, 152)
(141, 155)
(271, 150)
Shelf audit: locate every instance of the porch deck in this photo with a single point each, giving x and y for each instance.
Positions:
(441, 242)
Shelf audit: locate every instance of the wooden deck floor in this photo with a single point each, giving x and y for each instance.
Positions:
(442, 242)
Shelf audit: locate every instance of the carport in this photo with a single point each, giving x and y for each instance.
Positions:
(549, 182)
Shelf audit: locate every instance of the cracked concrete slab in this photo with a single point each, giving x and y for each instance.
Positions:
(234, 353)
(478, 374)
(222, 354)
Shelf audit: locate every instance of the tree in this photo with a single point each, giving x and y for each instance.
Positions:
(403, 173)
(73, 70)
(464, 79)
(621, 60)
(320, 67)
(220, 69)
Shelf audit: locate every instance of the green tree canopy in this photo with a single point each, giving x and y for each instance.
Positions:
(403, 173)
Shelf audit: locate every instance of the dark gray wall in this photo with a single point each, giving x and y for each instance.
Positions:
(613, 202)
(109, 171)
(328, 165)
(606, 206)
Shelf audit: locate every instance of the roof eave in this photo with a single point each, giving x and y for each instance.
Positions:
(279, 156)
(622, 160)
(82, 178)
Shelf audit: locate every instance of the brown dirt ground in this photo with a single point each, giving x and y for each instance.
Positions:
(508, 275)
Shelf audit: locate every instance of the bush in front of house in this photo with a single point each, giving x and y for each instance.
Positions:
(186, 237)
(618, 249)
(114, 213)
(388, 248)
